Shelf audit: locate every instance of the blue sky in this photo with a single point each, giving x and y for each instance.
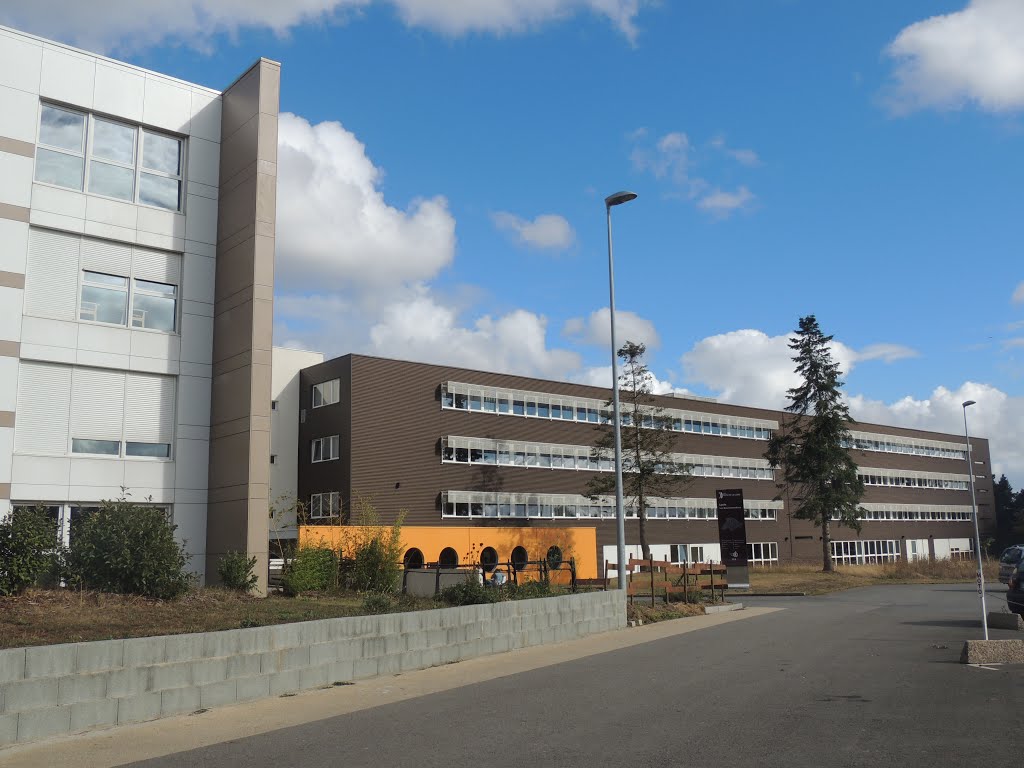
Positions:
(443, 166)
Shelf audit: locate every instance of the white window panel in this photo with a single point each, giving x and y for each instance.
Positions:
(51, 278)
(97, 404)
(156, 266)
(44, 392)
(149, 409)
(106, 256)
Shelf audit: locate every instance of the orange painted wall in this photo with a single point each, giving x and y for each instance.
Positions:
(468, 541)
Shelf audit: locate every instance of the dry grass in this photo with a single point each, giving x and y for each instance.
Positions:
(661, 612)
(45, 616)
(811, 580)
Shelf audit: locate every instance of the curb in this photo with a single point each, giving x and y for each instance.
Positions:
(710, 609)
(1005, 621)
(771, 594)
(992, 652)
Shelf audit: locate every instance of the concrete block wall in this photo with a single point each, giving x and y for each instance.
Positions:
(50, 690)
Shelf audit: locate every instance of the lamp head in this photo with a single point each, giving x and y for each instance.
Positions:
(619, 198)
(968, 402)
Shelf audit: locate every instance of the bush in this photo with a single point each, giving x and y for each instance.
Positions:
(236, 571)
(314, 569)
(28, 549)
(528, 590)
(377, 602)
(469, 592)
(128, 548)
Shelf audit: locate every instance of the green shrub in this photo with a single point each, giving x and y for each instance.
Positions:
(28, 549)
(528, 590)
(128, 548)
(314, 569)
(236, 571)
(374, 554)
(377, 602)
(469, 592)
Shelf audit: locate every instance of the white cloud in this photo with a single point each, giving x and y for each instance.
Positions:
(1018, 294)
(596, 329)
(334, 227)
(742, 156)
(601, 376)
(109, 24)
(668, 157)
(548, 231)
(975, 55)
(888, 353)
(724, 204)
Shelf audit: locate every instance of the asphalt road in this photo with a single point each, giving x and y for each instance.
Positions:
(868, 677)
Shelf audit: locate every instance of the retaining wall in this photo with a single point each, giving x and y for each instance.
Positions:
(57, 689)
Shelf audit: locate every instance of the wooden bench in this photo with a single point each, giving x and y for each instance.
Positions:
(667, 579)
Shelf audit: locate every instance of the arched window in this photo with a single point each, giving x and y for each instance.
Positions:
(413, 558)
(554, 558)
(519, 558)
(488, 559)
(448, 558)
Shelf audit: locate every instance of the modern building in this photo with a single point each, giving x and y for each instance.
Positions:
(137, 217)
(453, 448)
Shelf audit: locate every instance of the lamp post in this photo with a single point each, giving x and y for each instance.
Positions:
(620, 516)
(974, 514)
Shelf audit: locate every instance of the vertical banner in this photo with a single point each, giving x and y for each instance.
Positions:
(732, 536)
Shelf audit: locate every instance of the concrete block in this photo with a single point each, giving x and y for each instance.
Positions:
(449, 654)
(284, 682)
(431, 657)
(217, 694)
(127, 682)
(312, 632)
(93, 714)
(209, 671)
(144, 651)
(338, 629)
(75, 688)
(252, 688)
(373, 647)
(285, 636)
(135, 709)
(430, 619)
(184, 647)
(314, 677)
(8, 729)
(410, 661)
(270, 662)
(12, 665)
(992, 652)
(501, 644)
(388, 665)
(410, 622)
(43, 723)
(255, 640)
(30, 694)
(394, 644)
(364, 668)
(294, 658)
(100, 656)
(50, 661)
(436, 637)
(415, 641)
(342, 671)
(242, 666)
(324, 653)
(179, 700)
(349, 649)
(1005, 621)
(163, 677)
(219, 644)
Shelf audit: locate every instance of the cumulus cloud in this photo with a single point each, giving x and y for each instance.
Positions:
(334, 226)
(668, 157)
(724, 204)
(548, 231)
(888, 353)
(1018, 294)
(596, 329)
(601, 376)
(972, 56)
(113, 24)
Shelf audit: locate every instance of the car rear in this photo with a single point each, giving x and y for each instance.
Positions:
(1008, 562)
(1015, 595)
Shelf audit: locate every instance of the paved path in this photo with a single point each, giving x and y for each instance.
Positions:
(868, 677)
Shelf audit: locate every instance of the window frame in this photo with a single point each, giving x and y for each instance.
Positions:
(329, 440)
(130, 290)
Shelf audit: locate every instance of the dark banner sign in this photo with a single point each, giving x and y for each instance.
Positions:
(732, 528)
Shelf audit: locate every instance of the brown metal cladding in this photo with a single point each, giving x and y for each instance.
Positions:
(391, 438)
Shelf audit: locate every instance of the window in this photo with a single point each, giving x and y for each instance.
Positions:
(125, 162)
(763, 552)
(326, 393)
(323, 505)
(488, 559)
(554, 558)
(520, 558)
(273, 458)
(273, 405)
(413, 559)
(105, 299)
(448, 558)
(325, 449)
(96, 447)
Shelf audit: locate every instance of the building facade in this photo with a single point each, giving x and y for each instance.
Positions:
(456, 447)
(137, 220)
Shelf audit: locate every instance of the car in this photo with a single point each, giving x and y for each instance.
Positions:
(1008, 562)
(1015, 597)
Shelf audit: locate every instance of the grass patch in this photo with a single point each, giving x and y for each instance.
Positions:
(810, 578)
(662, 612)
(49, 616)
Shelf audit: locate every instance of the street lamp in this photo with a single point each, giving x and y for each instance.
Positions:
(974, 514)
(620, 517)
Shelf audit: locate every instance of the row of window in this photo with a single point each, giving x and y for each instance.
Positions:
(481, 504)
(471, 397)
(80, 151)
(915, 512)
(322, 505)
(65, 518)
(106, 298)
(762, 552)
(858, 552)
(326, 393)
(514, 454)
(115, 448)
(865, 441)
(910, 479)
(325, 449)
